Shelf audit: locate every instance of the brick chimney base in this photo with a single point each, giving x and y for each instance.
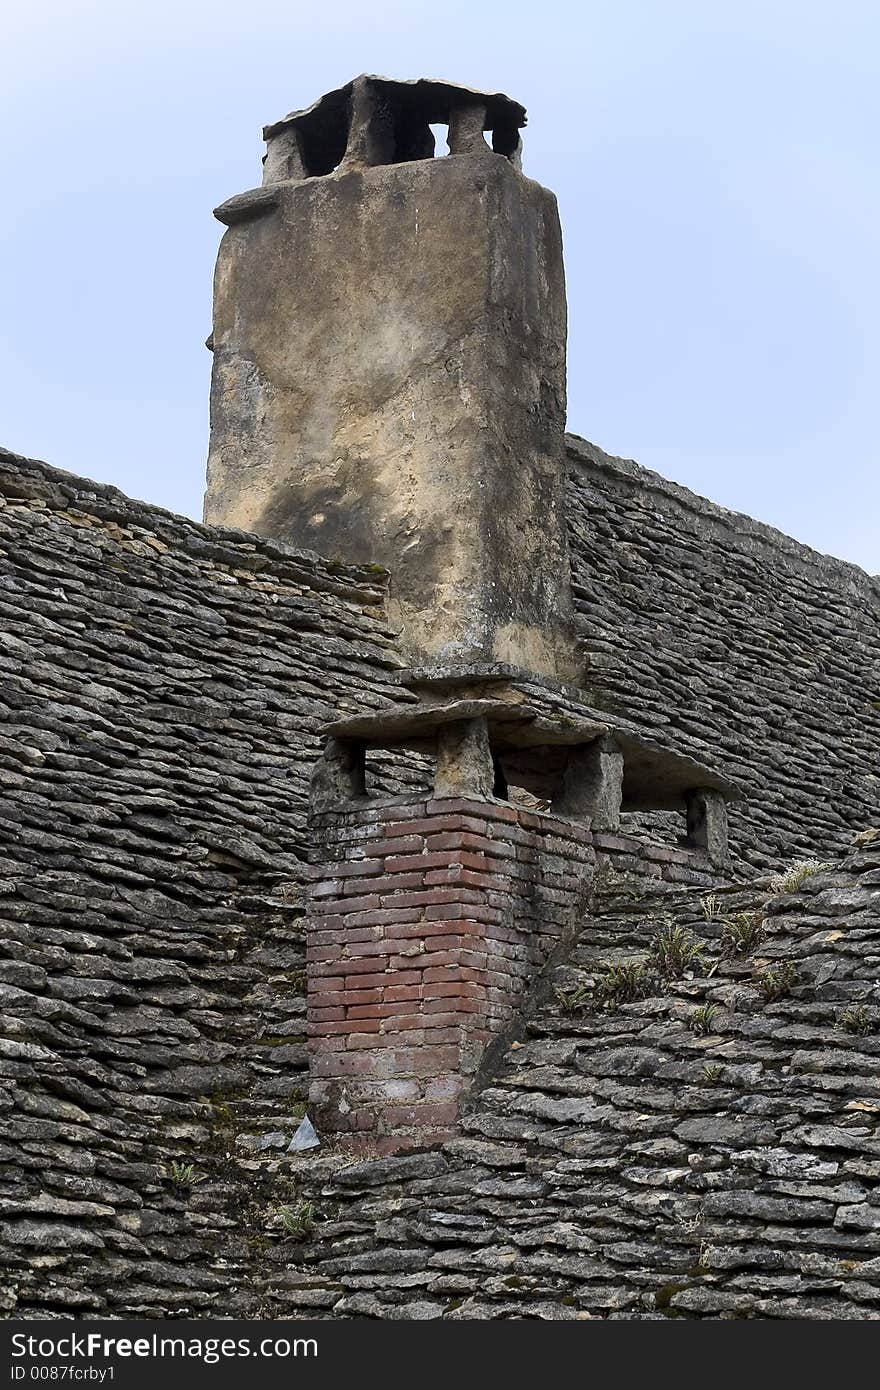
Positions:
(426, 923)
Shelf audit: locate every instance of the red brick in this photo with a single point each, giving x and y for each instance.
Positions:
(435, 824)
(450, 982)
(327, 888)
(380, 916)
(330, 1014)
(367, 1036)
(329, 1065)
(437, 1113)
(453, 1003)
(342, 935)
(446, 1013)
(324, 915)
(482, 844)
(320, 1030)
(395, 992)
(469, 877)
(442, 1088)
(389, 1010)
(405, 813)
(324, 982)
(349, 966)
(444, 958)
(451, 941)
(437, 1035)
(501, 979)
(384, 883)
(449, 974)
(471, 960)
(361, 996)
(407, 931)
(327, 1045)
(408, 960)
(404, 1022)
(429, 898)
(408, 863)
(402, 844)
(464, 903)
(395, 1037)
(616, 843)
(357, 868)
(481, 810)
(339, 907)
(321, 954)
(359, 950)
(397, 977)
(429, 1060)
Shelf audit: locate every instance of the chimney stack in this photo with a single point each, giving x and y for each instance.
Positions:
(389, 366)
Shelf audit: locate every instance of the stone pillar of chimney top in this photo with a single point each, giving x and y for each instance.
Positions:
(464, 761)
(592, 785)
(339, 776)
(466, 124)
(707, 824)
(371, 132)
(283, 157)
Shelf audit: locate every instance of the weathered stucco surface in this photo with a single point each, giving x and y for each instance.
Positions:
(389, 385)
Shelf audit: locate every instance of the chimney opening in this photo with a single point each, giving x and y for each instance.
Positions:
(440, 132)
(506, 140)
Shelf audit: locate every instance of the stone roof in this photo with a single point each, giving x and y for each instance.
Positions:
(161, 688)
(711, 1149)
(731, 643)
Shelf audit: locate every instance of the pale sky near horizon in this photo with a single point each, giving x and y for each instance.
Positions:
(716, 166)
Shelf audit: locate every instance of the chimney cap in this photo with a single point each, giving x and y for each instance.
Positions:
(432, 99)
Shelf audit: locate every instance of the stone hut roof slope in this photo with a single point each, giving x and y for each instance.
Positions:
(734, 644)
(713, 515)
(161, 688)
(711, 1149)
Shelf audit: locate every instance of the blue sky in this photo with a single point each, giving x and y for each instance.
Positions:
(717, 172)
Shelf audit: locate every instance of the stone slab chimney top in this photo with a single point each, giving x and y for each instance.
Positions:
(377, 120)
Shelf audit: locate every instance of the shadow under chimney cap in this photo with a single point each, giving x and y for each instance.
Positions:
(429, 98)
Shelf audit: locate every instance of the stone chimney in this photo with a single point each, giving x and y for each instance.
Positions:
(389, 366)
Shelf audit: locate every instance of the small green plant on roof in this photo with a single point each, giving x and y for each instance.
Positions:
(572, 1001)
(299, 1221)
(741, 933)
(855, 1019)
(625, 984)
(701, 1019)
(182, 1174)
(791, 878)
(675, 950)
(712, 1073)
(710, 907)
(777, 982)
